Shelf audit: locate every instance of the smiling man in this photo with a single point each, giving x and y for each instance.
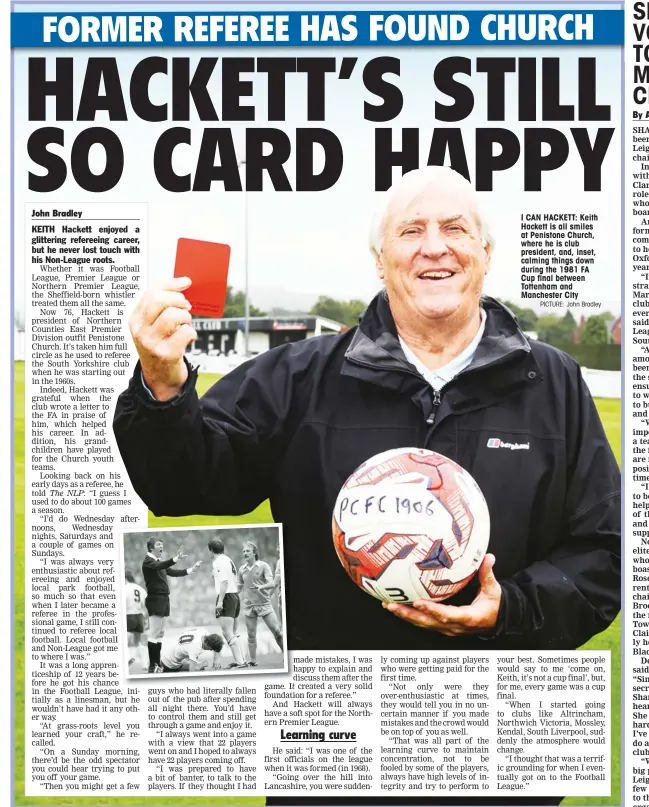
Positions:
(433, 256)
(433, 364)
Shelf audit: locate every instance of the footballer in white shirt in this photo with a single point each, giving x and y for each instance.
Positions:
(227, 605)
(134, 596)
(193, 651)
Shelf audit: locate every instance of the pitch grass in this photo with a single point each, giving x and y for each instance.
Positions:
(19, 648)
(610, 412)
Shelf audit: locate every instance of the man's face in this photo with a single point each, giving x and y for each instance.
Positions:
(433, 261)
(248, 555)
(157, 549)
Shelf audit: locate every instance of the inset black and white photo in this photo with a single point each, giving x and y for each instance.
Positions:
(204, 601)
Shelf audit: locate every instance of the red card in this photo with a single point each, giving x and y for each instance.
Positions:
(206, 263)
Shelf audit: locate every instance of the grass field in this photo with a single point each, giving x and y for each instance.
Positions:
(19, 647)
(268, 656)
(608, 640)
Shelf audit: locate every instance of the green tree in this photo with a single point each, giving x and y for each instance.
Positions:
(526, 317)
(329, 308)
(556, 330)
(279, 311)
(595, 331)
(345, 311)
(235, 305)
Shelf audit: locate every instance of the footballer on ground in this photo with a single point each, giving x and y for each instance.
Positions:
(203, 601)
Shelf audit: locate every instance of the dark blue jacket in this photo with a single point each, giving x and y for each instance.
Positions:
(292, 424)
(155, 574)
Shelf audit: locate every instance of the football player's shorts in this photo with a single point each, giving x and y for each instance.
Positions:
(231, 605)
(135, 623)
(171, 669)
(157, 605)
(250, 609)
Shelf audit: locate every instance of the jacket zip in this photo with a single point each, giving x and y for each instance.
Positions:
(437, 397)
(437, 400)
(437, 394)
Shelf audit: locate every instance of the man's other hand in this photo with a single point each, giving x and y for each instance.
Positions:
(478, 617)
(181, 553)
(161, 326)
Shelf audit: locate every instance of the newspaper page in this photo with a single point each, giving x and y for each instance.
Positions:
(317, 336)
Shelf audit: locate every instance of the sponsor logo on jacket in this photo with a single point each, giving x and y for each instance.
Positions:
(496, 442)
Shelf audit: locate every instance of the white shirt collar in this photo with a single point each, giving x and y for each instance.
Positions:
(442, 375)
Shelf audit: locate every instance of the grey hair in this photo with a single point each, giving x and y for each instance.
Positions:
(410, 185)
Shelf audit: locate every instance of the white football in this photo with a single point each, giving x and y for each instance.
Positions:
(410, 524)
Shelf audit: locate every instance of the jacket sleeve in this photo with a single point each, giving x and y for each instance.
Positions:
(176, 572)
(159, 564)
(562, 600)
(213, 456)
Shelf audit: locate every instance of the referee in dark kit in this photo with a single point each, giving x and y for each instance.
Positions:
(155, 572)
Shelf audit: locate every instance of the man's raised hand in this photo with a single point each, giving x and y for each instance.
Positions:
(161, 326)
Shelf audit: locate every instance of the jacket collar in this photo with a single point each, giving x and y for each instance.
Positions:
(375, 355)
